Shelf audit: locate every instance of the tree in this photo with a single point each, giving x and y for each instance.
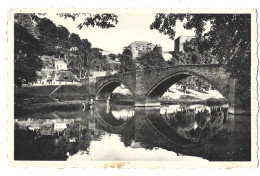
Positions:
(48, 36)
(229, 39)
(195, 53)
(79, 54)
(26, 51)
(152, 60)
(96, 61)
(112, 56)
(74, 40)
(192, 54)
(28, 21)
(62, 39)
(173, 62)
(127, 62)
(104, 20)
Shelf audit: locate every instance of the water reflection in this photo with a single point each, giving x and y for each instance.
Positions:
(195, 122)
(124, 132)
(115, 115)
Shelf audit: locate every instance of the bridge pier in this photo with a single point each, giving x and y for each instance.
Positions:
(235, 99)
(104, 96)
(237, 109)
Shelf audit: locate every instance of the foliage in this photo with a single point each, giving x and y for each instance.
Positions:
(152, 60)
(86, 60)
(173, 61)
(228, 39)
(104, 20)
(27, 20)
(78, 51)
(74, 40)
(26, 60)
(62, 38)
(112, 56)
(192, 54)
(48, 31)
(127, 62)
(48, 61)
(97, 62)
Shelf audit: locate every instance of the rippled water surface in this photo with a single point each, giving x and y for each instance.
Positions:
(120, 132)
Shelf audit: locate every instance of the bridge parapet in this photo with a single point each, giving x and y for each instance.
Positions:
(214, 74)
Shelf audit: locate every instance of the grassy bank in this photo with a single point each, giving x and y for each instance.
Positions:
(71, 92)
(37, 98)
(63, 93)
(71, 97)
(33, 91)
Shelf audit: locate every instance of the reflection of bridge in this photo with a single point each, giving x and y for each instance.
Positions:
(149, 85)
(146, 126)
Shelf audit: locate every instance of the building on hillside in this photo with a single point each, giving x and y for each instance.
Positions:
(105, 52)
(74, 48)
(178, 43)
(98, 73)
(60, 65)
(58, 74)
(139, 48)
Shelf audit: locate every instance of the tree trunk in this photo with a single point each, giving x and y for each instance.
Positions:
(79, 72)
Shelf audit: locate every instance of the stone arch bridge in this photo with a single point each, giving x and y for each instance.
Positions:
(148, 85)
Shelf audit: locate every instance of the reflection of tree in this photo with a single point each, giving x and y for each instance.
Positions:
(30, 146)
(75, 138)
(126, 140)
(201, 118)
(195, 125)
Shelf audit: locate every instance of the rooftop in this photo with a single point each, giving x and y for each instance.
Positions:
(141, 42)
(60, 62)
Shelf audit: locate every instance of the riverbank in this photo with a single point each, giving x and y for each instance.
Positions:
(71, 97)
(210, 101)
(50, 93)
(49, 98)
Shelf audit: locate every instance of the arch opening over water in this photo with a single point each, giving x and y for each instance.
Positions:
(184, 85)
(114, 90)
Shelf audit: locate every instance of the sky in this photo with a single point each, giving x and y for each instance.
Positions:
(131, 27)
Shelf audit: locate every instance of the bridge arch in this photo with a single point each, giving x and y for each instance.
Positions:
(106, 89)
(159, 88)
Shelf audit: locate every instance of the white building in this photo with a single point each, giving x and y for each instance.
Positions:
(139, 48)
(98, 73)
(105, 52)
(60, 65)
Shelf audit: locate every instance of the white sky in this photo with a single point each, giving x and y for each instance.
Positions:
(131, 27)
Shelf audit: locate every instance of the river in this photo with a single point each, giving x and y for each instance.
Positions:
(127, 133)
